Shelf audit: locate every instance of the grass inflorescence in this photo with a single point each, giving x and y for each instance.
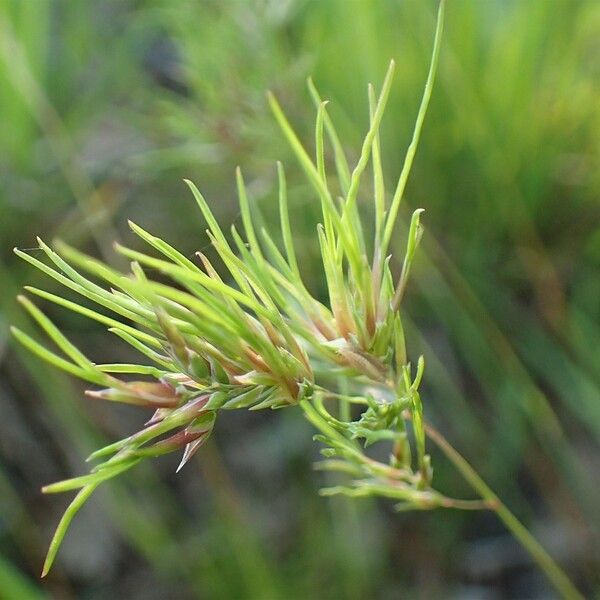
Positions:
(258, 338)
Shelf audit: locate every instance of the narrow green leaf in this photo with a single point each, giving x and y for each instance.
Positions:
(378, 181)
(414, 235)
(399, 344)
(163, 247)
(63, 525)
(206, 212)
(114, 303)
(350, 206)
(247, 216)
(331, 217)
(184, 276)
(303, 157)
(55, 335)
(143, 349)
(131, 368)
(341, 163)
(284, 217)
(319, 146)
(96, 316)
(124, 291)
(412, 149)
(59, 362)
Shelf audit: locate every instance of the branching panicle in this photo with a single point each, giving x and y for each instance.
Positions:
(261, 341)
(255, 337)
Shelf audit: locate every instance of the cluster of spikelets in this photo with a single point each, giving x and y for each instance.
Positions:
(258, 338)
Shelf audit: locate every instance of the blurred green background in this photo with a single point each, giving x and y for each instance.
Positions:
(106, 105)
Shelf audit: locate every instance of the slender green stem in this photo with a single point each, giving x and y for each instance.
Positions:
(554, 573)
(461, 504)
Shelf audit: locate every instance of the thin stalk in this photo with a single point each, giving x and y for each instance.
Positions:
(554, 573)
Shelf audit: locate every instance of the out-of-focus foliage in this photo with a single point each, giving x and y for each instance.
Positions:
(107, 105)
